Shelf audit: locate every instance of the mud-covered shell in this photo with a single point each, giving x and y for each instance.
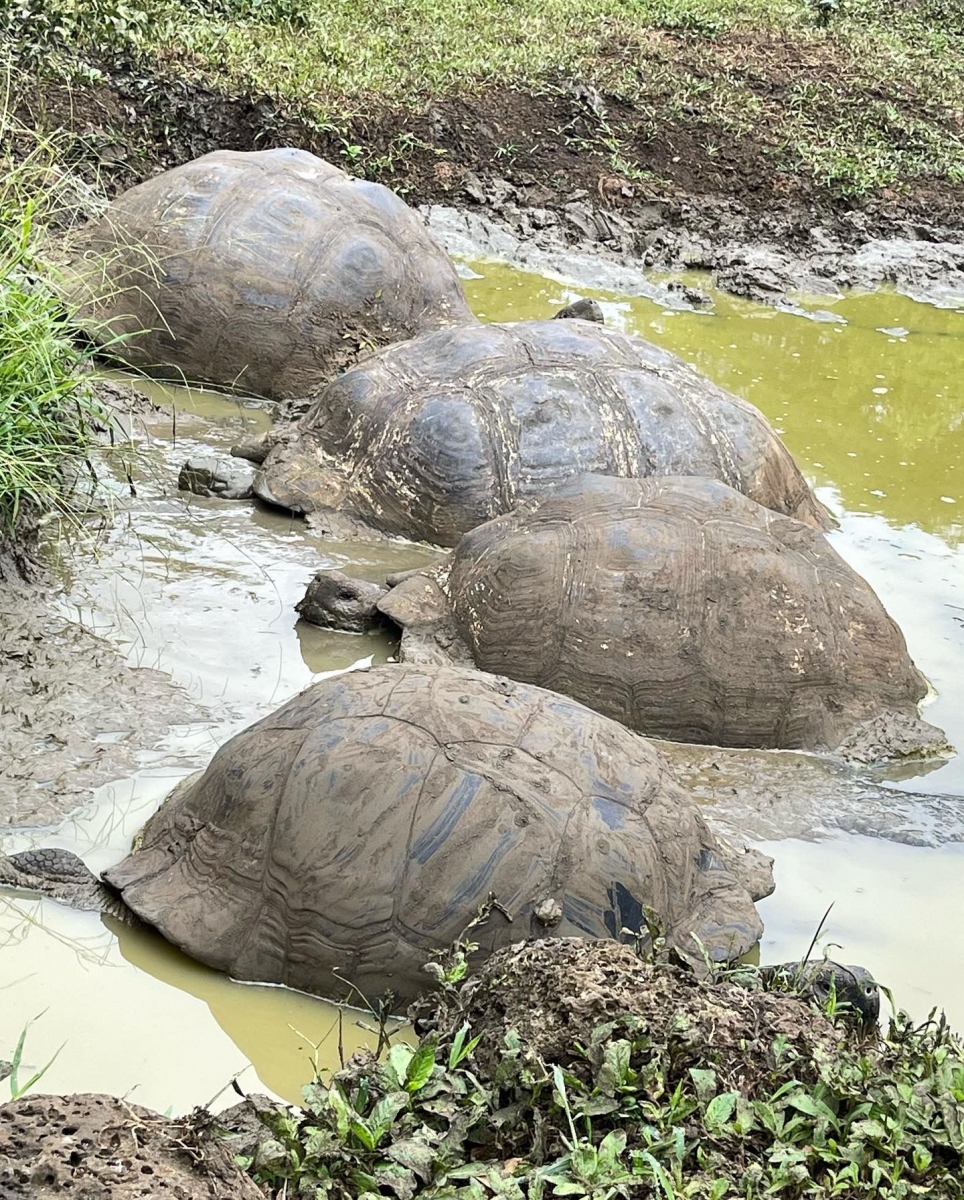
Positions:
(268, 271)
(676, 606)
(362, 826)
(429, 438)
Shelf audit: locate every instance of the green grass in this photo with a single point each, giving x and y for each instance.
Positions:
(46, 406)
(874, 99)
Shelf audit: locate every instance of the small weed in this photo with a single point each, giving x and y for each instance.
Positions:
(11, 1070)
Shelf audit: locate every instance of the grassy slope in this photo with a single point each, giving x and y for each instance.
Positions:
(876, 100)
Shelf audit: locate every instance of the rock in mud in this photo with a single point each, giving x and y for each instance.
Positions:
(216, 476)
(370, 818)
(265, 272)
(336, 601)
(97, 1147)
(430, 438)
(679, 607)
(581, 310)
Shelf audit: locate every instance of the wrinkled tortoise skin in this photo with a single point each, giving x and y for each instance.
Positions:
(267, 271)
(362, 826)
(429, 438)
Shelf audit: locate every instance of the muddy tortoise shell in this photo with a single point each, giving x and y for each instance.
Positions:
(266, 271)
(431, 437)
(677, 606)
(362, 826)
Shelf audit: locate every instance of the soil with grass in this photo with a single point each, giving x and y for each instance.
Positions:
(564, 176)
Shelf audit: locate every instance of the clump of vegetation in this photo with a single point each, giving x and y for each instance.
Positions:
(39, 28)
(629, 1079)
(46, 406)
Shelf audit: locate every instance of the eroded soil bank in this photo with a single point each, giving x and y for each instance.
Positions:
(536, 175)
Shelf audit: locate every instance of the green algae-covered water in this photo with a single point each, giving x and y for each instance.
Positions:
(867, 392)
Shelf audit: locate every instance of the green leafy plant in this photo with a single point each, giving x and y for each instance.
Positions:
(38, 26)
(48, 411)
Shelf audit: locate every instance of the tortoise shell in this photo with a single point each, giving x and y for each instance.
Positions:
(266, 271)
(362, 826)
(431, 437)
(677, 606)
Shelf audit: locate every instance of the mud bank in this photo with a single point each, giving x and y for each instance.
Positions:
(766, 257)
(100, 1146)
(74, 713)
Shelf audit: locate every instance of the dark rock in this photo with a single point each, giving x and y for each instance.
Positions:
(582, 310)
(253, 449)
(336, 601)
(216, 476)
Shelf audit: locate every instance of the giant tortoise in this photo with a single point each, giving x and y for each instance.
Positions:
(268, 271)
(363, 825)
(431, 437)
(676, 605)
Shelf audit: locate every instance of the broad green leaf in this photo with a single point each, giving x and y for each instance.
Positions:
(719, 1110)
(420, 1067)
(610, 1149)
(342, 1110)
(415, 1154)
(399, 1057)
(869, 1130)
(321, 1142)
(364, 1133)
(385, 1112)
(598, 1106)
(397, 1178)
(810, 1105)
(719, 1189)
(614, 1071)
(584, 1160)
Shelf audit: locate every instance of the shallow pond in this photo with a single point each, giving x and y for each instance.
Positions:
(867, 392)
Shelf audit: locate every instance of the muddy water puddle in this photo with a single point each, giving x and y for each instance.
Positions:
(867, 393)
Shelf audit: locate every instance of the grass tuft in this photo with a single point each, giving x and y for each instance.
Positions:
(46, 404)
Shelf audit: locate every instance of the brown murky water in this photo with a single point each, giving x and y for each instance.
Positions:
(867, 393)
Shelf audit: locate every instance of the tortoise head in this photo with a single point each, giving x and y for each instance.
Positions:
(852, 986)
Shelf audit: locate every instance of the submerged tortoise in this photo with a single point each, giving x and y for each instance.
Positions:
(676, 606)
(363, 825)
(269, 271)
(429, 438)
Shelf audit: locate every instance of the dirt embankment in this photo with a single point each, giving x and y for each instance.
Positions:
(536, 175)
